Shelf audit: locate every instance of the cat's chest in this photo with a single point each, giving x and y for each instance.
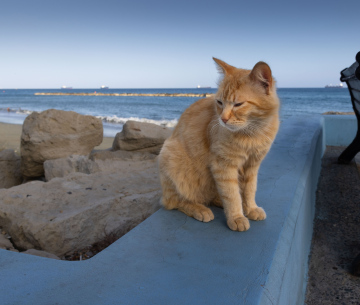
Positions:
(240, 152)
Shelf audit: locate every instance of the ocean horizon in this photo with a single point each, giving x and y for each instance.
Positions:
(114, 111)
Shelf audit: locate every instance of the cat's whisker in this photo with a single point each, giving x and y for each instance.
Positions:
(214, 123)
(212, 130)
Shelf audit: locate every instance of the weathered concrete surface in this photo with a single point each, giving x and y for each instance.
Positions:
(40, 253)
(173, 259)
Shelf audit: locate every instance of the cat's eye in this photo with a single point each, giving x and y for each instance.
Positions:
(238, 104)
(219, 102)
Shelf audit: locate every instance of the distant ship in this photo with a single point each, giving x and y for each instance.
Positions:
(200, 87)
(104, 87)
(65, 87)
(335, 86)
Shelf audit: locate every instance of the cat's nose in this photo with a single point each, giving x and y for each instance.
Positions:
(224, 120)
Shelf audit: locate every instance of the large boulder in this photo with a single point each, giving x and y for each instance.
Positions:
(98, 161)
(10, 173)
(64, 166)
(71, 213)
(143, 137)
(54, 134)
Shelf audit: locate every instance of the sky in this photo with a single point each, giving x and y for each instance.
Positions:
(170, 44)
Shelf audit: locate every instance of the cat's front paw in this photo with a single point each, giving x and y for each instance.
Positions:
(239, 224)
(204, 214)
(256, 214)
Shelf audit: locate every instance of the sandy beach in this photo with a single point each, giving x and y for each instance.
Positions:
(10, 135)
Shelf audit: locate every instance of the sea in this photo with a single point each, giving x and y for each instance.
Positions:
(114, 111)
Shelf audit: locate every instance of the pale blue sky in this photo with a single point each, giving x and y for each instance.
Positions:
(170, 44)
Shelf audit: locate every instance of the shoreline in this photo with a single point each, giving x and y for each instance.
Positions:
(10, 137)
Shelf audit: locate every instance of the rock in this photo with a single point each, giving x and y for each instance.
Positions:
(41, 253)
(143, 137)
(65, 166)
(99, 161)
(6, 244)
(122, 155)
(54, 134)
(69, 214)
(10, 173)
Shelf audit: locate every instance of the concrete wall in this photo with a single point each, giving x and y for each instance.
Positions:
(173, 259)
(340, 130)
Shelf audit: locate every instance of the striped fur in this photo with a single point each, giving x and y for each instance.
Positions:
(215, 151)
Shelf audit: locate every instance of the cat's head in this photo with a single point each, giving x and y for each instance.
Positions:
(245, 98)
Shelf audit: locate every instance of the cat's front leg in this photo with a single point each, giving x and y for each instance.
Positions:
(248, 186)
(226, 179)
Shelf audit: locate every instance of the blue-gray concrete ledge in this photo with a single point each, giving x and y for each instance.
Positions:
(173, 259)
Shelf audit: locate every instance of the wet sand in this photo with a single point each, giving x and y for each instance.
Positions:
(10, 135)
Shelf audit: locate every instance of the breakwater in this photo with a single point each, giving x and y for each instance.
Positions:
(126, 94)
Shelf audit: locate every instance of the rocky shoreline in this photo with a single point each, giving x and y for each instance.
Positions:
(62, 199)
(126, 94)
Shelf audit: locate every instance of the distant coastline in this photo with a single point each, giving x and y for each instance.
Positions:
(126, 94)
(161, 106)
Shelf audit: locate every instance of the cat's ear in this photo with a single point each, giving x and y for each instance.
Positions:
(261, 74)
(223, 67)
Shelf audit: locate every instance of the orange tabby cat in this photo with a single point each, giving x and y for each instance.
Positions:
(215, 151)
